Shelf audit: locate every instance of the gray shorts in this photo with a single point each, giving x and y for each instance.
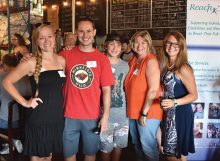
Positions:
(71, 134)
(116, 136)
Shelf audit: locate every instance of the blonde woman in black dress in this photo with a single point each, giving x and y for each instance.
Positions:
(45, 121)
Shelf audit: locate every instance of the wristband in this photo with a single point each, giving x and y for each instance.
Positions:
(143, 114)
(175, 103)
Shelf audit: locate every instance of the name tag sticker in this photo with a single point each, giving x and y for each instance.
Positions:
(61, 73)
(136, 72)
(91, 64)
(113, 70)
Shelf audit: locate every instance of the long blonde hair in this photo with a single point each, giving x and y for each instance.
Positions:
(38, 54)
(182, 55)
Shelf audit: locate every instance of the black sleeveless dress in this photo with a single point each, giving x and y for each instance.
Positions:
(44, 124)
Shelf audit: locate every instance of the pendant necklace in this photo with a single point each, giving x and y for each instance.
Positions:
(172, 65)
(140, 60)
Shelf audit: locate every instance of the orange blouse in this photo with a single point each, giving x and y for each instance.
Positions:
(135, 86)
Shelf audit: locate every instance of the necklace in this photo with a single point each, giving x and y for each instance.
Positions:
(138, 61)
(172, 65)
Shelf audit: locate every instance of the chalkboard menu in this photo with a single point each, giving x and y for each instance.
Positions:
(156, 16)
(65, 15)
(95, 10)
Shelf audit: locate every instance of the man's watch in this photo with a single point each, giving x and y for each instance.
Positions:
(175, 102)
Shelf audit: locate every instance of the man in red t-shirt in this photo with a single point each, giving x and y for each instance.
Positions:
(88, 75)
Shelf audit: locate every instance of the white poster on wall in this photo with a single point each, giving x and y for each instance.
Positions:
(203, 43)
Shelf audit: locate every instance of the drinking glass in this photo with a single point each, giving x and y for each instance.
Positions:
(162, 95)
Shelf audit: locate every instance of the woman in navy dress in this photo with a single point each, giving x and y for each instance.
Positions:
(44, 117)
(178, 79)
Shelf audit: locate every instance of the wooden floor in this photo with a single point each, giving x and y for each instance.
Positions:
(128, 154)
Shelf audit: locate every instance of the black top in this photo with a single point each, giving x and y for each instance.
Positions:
(44, 124)
(124, 53)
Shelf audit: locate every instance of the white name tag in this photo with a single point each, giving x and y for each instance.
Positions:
(113, 70)
(61, 73)
(91, 64)
(136, 72)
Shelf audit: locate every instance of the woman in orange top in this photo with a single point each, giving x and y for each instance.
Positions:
(141, 87)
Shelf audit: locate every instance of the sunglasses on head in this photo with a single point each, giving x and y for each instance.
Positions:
(39, 24)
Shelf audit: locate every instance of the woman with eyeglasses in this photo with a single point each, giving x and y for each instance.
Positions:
(178, 79)
(44, 113)
(20, 48)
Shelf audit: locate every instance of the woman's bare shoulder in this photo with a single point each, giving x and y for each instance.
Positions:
(60, 57)
(152, 63)
(185, 69)
(24, 48)
(30, 64)
(62, 61)
(32, 60)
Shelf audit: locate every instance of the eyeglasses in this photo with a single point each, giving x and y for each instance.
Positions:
(175, 44)
(39, 24)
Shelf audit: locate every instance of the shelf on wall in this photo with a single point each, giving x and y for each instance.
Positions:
(13, 9)
(4, 46)
(7, 11)
(4, 8)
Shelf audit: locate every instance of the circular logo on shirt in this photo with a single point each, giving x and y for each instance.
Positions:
(81, 76)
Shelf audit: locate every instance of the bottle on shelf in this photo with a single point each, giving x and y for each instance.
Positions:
(100, 46)
(103, 46)
(59, 33)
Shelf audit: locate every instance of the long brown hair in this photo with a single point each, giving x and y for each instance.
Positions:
(38, 54)
(182, 55)
(20, 38)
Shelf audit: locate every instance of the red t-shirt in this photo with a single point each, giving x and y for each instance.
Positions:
(86, 73)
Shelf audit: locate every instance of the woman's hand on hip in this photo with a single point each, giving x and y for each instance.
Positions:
(32, 102)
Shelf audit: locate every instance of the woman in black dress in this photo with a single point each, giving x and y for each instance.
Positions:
(45, 121)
